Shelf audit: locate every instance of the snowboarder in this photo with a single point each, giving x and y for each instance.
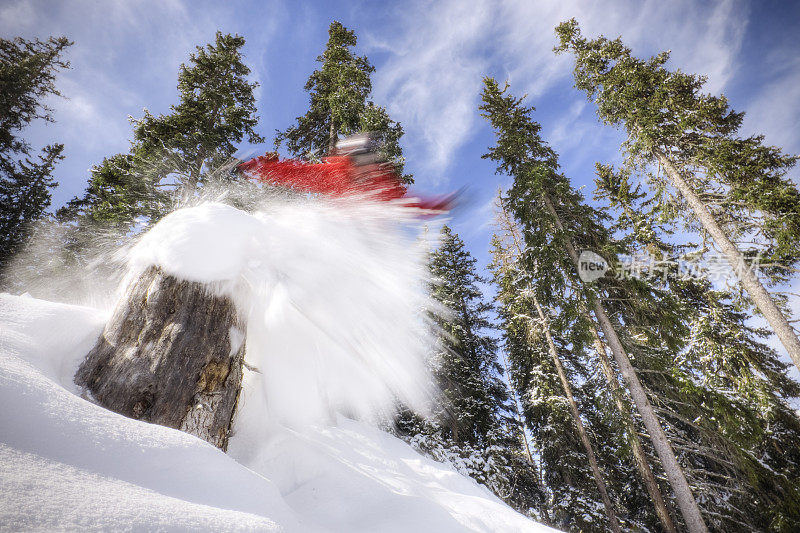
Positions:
(355, 168)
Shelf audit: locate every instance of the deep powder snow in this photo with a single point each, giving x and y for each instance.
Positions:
(335, 298)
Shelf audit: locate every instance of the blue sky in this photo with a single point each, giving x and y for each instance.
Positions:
(429, 58)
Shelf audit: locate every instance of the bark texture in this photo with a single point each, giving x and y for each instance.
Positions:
(172, 355)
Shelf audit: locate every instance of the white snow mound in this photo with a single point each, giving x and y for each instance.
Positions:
(67, 464)
(335, 295)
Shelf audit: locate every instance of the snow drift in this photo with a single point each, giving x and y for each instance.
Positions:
(335, 300)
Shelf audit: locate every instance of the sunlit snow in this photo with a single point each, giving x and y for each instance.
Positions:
(335, 299)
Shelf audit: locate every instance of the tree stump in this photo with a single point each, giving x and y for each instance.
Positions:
(171, 354)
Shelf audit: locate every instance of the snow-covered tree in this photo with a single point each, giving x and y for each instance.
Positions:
(599, 401)
(340, 104)
(715, 391)
(556, 222)
(467, 365)
(27, 76)
(475, 426)
(546, 387)
(731, 188)
(726, 393)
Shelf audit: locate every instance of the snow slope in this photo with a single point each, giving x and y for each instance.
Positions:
(67, 464)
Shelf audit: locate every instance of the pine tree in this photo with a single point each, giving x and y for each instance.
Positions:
(522, 314)
(556, 224)
(467, 365)
(734, 188)
(339, 104)
(475, 426)
(517, 286)
(27, 76)
(183, 149)
(216, 112)
(574, 502)
(732, 411)
(119, 192)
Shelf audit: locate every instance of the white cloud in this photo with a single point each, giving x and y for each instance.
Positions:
(433, 77)
(441, 51)
(569, 130)
(775, 110)
(20, 13)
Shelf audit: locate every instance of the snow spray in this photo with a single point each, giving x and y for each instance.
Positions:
(336, 298)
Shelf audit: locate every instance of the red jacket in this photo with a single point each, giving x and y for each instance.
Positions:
(338, 176)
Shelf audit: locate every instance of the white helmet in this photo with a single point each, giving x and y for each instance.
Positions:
(361, 147)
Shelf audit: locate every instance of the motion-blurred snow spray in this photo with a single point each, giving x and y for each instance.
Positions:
(335, 294)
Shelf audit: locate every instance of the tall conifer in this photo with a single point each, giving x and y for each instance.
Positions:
(27, 76)
(340, 104)
(555, 219)
(474, 426)
(726, 393)
(527, 325)
(179, 150)
(510, 267)
(734, 188)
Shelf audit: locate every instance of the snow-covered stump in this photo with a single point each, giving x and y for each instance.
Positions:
(171, 354)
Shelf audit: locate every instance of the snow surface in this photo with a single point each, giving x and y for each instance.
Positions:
(68, 464)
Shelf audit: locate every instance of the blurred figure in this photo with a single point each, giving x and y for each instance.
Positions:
(354, 168)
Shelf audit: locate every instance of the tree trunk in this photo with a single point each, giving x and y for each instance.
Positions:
(616, 391)
(764, 302)
(171, 354)
(518, 413)
(683, 493)
(636, 445)
(334, 136)
(613, 521)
